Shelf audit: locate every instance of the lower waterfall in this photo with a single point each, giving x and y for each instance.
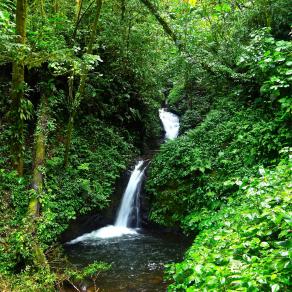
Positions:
(130, 201)
(129, 207)
(137, 255)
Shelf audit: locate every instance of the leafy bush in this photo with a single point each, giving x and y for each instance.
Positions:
(246, 246)
(189, 120)
(98, 155)
(176, 93)
(29, 280)
(268, 62)
(51, 280)
(14, 198)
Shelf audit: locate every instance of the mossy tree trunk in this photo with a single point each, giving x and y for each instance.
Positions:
(78, 8)
(17, 89)
(40, 147)
(82, 83)
(38, 173)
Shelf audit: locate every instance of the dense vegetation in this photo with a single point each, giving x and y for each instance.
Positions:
(224, 180)
(80, 87)
(246, 246)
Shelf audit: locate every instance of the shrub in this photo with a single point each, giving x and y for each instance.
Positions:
(246, 246)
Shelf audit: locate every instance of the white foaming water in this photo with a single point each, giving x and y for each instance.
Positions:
(131, 192)
(130, 197)
(170, 123)
(103, 233)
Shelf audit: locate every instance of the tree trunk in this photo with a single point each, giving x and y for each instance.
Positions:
(37, 180)
(78, 9)
(123, 9)
(56, 6)
(42, 8)
(68, 140)
(17, 89)
(81, 88)
(39, 159)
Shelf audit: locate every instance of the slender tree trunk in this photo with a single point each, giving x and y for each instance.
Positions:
(78, 9)
(37, 179)
(42, 8)
(56, 6)
(94, 26)
(80, 17)
(68, 140)
(123, 9)
(17, 89)
(39, 159)
(81, 88)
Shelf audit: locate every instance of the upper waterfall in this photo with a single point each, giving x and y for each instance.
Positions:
(170, 123)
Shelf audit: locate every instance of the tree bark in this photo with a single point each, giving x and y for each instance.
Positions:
(41, 133)
(80, 17)
(78, 8)
(39, 158)
(68, 140)
(17, 89)
(94, 27)
(123, 9)
(42, 8)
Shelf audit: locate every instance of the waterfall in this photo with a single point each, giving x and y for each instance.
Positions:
(130, 201)
(170, 123)
(129, 205)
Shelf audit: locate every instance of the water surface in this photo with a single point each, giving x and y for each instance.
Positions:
(137, 259)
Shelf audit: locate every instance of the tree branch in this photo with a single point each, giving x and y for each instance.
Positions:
(164, 24)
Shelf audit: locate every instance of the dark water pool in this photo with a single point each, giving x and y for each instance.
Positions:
(137, 260)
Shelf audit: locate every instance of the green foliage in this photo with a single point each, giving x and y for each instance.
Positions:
(11, 189)
(269, 62)
(175, 94)
(7, 26)
(201, 169)
(99, 155)
(29, 280)
(246, 246)
(189, 120)
(47, 280)
(90, 271)
(240, 47)
(116, 113)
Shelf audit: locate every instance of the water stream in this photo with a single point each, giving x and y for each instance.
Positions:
(170, 123)
(129, 208)
(137, 260)
(137, 256)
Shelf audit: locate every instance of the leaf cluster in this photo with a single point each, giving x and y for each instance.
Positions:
(246, 246)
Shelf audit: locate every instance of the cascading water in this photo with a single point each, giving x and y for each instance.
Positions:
(129, 205)
(130, 201)
(137, 258)
(170, 123)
